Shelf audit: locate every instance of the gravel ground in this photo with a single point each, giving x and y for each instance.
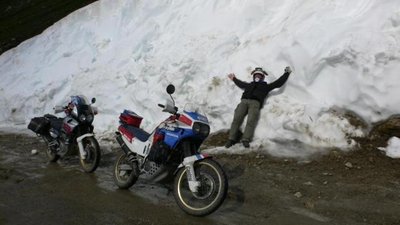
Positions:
(358, 188)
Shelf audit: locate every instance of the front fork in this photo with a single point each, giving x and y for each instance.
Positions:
(82, 152)
(188, 163)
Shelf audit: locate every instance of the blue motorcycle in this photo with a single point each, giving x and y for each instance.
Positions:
(171, 152)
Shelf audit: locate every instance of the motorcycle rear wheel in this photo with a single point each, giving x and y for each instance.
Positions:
(93, 155)
(126, 172)
(51, 155)
(211, 193)
(51, 152)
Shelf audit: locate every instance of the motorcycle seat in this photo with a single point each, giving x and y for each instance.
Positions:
(55, 122)
(49, 116)
(135, 132)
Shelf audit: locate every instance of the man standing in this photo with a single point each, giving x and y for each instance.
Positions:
(252, 101)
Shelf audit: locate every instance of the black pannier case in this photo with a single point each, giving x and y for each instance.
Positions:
(39, 125)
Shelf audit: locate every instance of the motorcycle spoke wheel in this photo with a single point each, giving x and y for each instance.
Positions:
(92, 151)
(52, 155)
(126, 172)
(211, 192)
(51, 151)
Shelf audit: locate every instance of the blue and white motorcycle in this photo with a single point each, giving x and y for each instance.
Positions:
(170, 152)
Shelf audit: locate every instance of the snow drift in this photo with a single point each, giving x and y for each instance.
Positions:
(393, 148)
(345, 54)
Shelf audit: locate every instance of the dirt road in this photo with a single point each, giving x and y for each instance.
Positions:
(356, 188)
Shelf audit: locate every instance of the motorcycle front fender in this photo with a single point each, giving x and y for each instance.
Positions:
(189, 161)
(80, 145)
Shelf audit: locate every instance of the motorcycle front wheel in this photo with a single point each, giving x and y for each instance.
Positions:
(93, 154)
(211, 193)
(126, 172)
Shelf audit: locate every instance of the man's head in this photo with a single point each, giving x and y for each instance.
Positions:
(258, 74)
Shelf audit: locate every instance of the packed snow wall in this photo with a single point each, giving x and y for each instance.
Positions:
(344, 54)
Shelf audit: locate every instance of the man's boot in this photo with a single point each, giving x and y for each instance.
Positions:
(230, 143)
(246, 143)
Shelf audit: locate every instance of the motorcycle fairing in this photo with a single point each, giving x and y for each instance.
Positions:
(196, 116)
(184, 128)
(69, 125)
(172, 138)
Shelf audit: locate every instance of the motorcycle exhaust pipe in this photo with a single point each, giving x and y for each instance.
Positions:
(122, 143)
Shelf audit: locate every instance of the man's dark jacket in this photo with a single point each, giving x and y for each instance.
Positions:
(259, 90)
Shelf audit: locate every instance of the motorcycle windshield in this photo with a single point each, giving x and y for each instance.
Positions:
(195, 111)
(85, 110)
(79, 100)
(82, 104)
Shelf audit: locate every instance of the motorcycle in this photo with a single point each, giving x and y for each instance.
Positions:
(72, 134)
(171, 152)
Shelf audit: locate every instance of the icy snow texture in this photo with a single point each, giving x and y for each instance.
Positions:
(344, 54)
(393, 148)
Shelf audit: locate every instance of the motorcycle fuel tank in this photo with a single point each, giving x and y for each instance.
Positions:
(69, 125)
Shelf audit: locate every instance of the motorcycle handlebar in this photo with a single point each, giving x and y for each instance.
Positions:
(166, 109)
(58, 109)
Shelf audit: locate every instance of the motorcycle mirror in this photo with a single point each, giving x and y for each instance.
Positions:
(170, 89)
(93, 100)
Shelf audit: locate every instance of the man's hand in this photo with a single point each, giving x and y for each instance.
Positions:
(288, 70)
(231, 76)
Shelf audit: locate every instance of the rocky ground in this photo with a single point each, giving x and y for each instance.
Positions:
(359, 187)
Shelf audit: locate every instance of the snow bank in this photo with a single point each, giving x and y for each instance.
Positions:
(344, 54)
(393, 148)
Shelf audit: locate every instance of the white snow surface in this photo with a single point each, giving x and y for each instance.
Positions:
(344, 54)
(393, 148)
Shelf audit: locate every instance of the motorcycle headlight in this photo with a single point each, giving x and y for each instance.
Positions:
(82, 118)
(89, 118)
(86, 118)
(205, 130)
(201, 129)
(196, 128)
